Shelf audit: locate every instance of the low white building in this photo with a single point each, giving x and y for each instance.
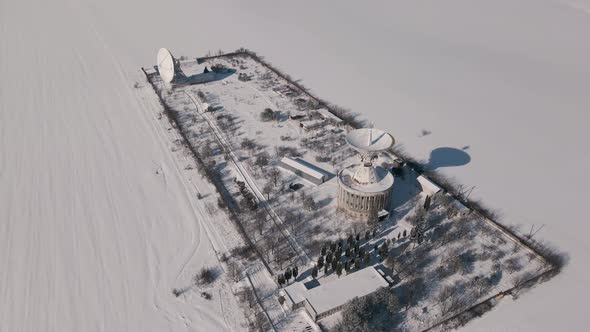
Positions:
(302, 169)
(325, 299)
(308, 125)
(297, 115)
(329, 117)
(427, 186)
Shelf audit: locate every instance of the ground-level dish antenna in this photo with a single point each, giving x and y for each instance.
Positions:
(167, 65)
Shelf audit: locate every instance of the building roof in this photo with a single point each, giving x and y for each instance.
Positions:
(335, 293)
(427, 186)
(303, 168)
(297, 113)
(374, 179)
(328, 115)
(311, 123)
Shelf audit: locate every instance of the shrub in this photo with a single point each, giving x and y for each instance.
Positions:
(374, 312)
(177, 292)
(322, 159)
(267, 115)
(244, 252)
(204, 277)
(218, 68)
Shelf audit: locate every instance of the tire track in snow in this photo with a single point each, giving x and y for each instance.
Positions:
(199, 214)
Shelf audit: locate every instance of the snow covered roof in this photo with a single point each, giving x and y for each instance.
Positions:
(328, 115)
(311, 123)
(337, 292)
(302, 167)
(372, 179)
(428, 186)
(383, 213)
(297, 113)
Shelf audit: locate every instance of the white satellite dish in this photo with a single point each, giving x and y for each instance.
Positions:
(369, 141)
(166, 65)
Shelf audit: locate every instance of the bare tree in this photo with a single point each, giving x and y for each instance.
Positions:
(273, 241)
(290, 219)
(267, 189)
(282, 257)
(206, 151)
(416, 289)
(481, 285)
(300, 217)
(247, 295)
(262, 159)
(259, 220)
(512, 265)
(265, 249)
(234, 271)
(248, 144)
(390, 262)
(205, 276)
(333, 161)
(260, 321)
(309, 204)
(418, 217)
(450, 299)
(275, 175)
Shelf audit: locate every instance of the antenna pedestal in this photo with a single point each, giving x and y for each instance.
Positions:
(364, 190)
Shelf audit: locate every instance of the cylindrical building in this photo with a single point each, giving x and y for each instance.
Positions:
(362, 200)
(365, 191)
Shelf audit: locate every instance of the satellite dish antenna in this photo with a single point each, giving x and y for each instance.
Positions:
(368, 142)
(166, 65)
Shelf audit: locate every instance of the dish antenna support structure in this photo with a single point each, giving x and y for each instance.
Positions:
(364, 190)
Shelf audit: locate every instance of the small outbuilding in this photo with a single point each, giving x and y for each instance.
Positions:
(308, 125)
(321, 300)
(427, 186)
(330, 117)
(297, 115)
(304, 170)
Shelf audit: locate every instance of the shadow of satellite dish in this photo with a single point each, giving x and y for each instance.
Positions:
(203, 78)
(447, 157)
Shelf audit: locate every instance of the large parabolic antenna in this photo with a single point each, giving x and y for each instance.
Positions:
(369, 141)
(166, 65)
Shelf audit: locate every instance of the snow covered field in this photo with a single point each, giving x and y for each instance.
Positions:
(96, 222)
(91, 239)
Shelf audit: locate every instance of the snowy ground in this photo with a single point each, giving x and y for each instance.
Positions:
(507, 78)
(98, 220)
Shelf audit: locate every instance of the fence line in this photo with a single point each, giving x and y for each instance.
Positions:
(260, 302)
